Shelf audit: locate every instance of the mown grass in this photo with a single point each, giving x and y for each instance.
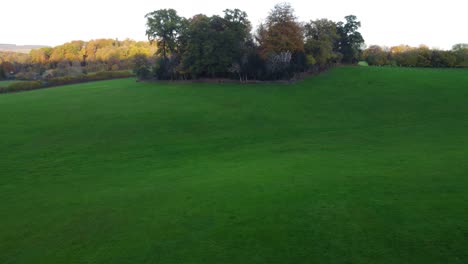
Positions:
(358, 165)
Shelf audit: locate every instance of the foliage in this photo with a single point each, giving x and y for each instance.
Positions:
(13, 57)
(351, 41)
(421, 56)
(207, 52)
(278, 64)
(281, 32)
(164, 26)
(89, 78)
(57, 81)
(376, 55)
(201, 47)
(299, 62)
(253, 65)
(2, 73)
(461, 53)
(74, 58)
(142, 66)
(22, 86)
(223, 47)
(321, 38)
(27, 75)
(166, 68)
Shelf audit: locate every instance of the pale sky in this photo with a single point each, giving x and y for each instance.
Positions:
(439, 24)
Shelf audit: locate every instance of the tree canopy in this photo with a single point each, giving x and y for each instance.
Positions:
(421, 56)
(321, 37)
(224, 46)
(164, 26)
(280, 32)
(351, 40)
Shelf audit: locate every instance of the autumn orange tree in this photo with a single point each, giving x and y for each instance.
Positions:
(280, 32)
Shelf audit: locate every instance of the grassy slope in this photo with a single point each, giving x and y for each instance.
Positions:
(359, 165)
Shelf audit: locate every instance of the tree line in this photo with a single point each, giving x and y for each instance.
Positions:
(73, 59)
(280, 48)
(225, 47)
(421, 56)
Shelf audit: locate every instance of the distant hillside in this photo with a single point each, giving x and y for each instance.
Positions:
(19, 48)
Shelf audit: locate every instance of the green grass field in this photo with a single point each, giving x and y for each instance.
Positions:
(358, 165)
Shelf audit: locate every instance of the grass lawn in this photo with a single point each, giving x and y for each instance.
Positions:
(358, 165)
(7, 83)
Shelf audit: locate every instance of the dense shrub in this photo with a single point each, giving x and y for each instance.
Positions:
(31, 85)
(65, 80)
(407, 56)
(22, 86)
(142, 66)
(87, 78)
(2, 73)
(109, 75)
(27, 76)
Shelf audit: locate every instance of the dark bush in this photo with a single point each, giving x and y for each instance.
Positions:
(2, 73)
(31, 85)
(22, 86)
(88, 78)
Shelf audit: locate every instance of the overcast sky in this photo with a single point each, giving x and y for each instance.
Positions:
(51, 22)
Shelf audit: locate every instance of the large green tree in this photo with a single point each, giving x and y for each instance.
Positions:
(351, 41)
(164, 26)
(237, 32)
(321, 36)
(461, 54)
(200, 51)
(215, 43)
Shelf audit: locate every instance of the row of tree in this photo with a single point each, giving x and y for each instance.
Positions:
(224, 46)
(421, 56)
(74, 58)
